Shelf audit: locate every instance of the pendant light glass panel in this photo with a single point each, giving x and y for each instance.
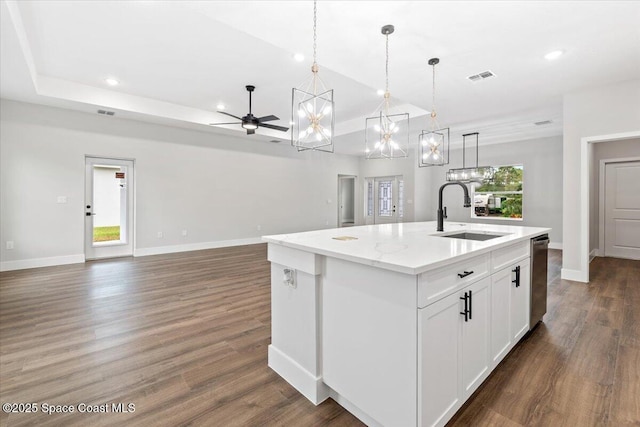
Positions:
(312, 109)
(387, 131)
(387, 136)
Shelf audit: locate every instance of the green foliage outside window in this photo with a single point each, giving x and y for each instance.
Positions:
(505, 178)
(505, 190)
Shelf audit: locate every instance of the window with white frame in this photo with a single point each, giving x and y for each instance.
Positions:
(501, 196)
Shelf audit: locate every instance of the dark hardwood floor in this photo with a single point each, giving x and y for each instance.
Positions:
(184, 338)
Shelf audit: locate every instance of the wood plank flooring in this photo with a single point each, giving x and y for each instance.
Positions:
(184, 338)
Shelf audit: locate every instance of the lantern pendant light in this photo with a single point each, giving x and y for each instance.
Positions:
(312, 119)
(433, 144)
(387, 133)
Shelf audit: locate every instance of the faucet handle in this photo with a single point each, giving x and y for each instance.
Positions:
(444, 215)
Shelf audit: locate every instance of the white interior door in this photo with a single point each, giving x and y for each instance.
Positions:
(622, 210)
(108, 208)
(387, 199)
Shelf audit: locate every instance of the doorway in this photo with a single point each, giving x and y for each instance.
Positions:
(346, 200)
(108, 207)
(622, 209)
(385, 199)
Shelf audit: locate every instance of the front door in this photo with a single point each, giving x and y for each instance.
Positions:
(622, 210)
(387, 199)
(108, 208)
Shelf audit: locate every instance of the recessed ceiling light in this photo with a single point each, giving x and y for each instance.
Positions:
(553, 55)
(298, 57)
(220, 106)
(111, 81)
(380, 92)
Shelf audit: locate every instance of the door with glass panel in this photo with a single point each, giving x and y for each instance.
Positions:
(108, 207)
(388, 199)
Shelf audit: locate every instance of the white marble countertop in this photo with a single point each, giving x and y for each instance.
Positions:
(411, 248)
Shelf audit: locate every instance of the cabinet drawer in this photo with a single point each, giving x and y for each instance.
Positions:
(504, 257)
(437, 284)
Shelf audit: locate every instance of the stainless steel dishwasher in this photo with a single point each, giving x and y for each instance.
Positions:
(539, 249)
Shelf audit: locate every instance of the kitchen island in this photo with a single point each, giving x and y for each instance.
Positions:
(398, 323)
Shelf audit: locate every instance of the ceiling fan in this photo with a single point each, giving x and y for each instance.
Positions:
(250, 122)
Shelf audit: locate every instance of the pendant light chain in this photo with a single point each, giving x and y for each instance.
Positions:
(433, 100)
(386, 65)
(315, 13)
(387, 95)
(434, 123)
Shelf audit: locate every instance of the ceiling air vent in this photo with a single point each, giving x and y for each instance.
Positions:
(106, 113)
(544, 122)
(481, 76)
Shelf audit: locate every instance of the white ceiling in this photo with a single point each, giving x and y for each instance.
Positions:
(176, 60)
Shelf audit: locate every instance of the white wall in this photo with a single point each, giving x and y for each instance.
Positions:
(594, 112)
(217, 188)
(542, 183)
(602, 151)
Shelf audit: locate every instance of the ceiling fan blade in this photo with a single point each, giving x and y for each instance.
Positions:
(251, 131)
(268, 118)
(230, 123)
(227, 114)
(280, 128)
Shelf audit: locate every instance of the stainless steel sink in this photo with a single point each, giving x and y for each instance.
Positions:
(472, 236)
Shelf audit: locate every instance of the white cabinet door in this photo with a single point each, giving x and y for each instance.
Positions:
(510, 294)
(439, 388)
(453, 350)
(500, 318)
(476, 361)
(520, 295)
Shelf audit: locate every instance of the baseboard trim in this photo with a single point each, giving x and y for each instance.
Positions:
(554, 245)
(594, 253)
(79, 258)
(41, 262)
(160, 250)
(302, 380)
(574, 275)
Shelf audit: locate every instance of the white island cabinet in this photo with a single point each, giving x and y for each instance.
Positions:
(396, 322)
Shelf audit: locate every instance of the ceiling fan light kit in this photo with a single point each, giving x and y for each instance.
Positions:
(312, 109)
(387, 133)
(433, 144)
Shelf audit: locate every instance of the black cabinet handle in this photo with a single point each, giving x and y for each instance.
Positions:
(517, 280)
(466, 307)
(465, 274)
(470, 304)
